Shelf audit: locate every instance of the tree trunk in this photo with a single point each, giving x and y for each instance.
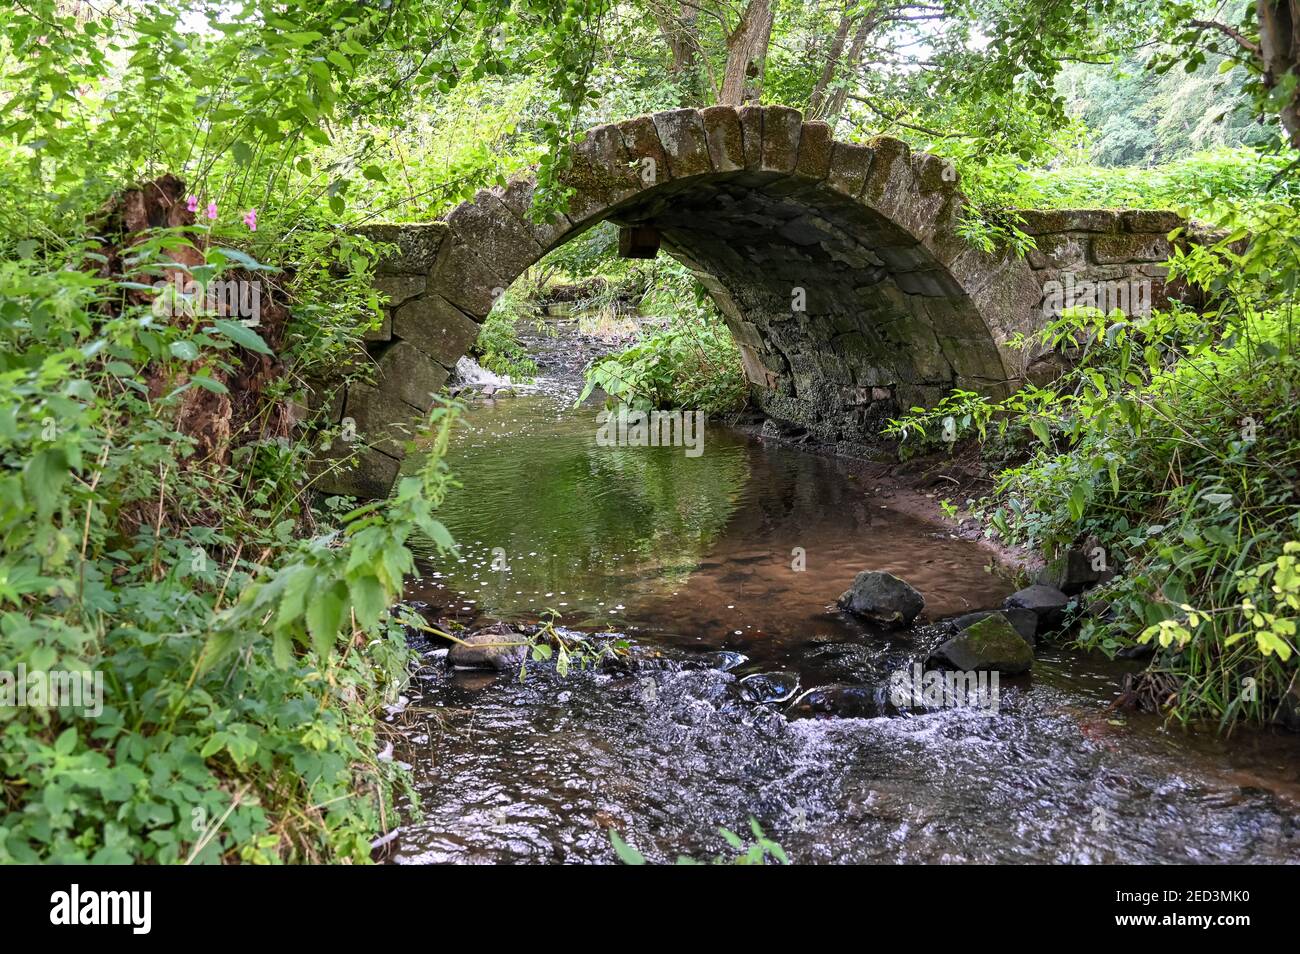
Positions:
(746, 51)
(818, 96)
(677, 24)
(836, 105)
(1279, 51)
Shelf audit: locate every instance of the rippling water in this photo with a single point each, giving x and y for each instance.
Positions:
(687, 555)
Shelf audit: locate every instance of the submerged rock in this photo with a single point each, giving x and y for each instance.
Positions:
(498, 647)
(764, 687)
(1023, 621)
(991, 643)
(839, 701)
(882, 598)
(1046, 602)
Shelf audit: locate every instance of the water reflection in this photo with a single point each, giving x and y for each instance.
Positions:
(745, 545)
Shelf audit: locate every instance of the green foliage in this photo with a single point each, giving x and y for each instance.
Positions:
(1144, 118)
(1175, 445)
(498, 347)
(243, 646)
(268, 104)
(569, 648)
(692, 362)
(762, 850)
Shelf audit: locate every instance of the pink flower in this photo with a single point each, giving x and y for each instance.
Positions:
(212, 210)
(192, 203)
(250, 219)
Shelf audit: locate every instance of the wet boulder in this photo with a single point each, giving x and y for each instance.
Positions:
(497, 647)
(763, 687)
(990, 644)
(1023, 621)
(1046, 602)
(883, 599)
(840, 701)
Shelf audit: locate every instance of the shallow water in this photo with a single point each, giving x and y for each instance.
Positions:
(687, 555)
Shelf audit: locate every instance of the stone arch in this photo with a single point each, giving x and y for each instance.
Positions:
(838, 267)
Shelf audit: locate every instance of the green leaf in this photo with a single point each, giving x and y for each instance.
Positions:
(185, 350)
(43, 478)
(241, 335)
(626, 853)
(66, 742)
(209, 384)
(324, 616)
(368, 599)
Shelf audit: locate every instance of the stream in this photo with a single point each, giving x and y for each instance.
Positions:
(728, 564)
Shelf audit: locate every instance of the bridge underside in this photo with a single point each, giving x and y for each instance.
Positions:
(840, 315)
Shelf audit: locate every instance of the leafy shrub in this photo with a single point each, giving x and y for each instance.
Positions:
(1174, 443)
(692, 362)
(242, 638)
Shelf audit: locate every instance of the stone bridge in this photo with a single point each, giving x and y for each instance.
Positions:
(838, 267)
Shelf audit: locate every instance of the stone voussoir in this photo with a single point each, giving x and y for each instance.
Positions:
(499, 239)
(782, 127)
(681, 132)
(517, 196)
(726, 140)
(436, 327)
(600, 174)
(751, 126)
(815, 146)
(850, 164)
(645, 151)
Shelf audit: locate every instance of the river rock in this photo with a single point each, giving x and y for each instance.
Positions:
(840, 701)
(1025, 622)
(724, 660)
(992, 644)
(497, 647)
(882, 598)
(1072, 572)
(1046, 602)
(764, 687)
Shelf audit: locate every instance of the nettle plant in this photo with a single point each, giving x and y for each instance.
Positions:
(244, 644)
